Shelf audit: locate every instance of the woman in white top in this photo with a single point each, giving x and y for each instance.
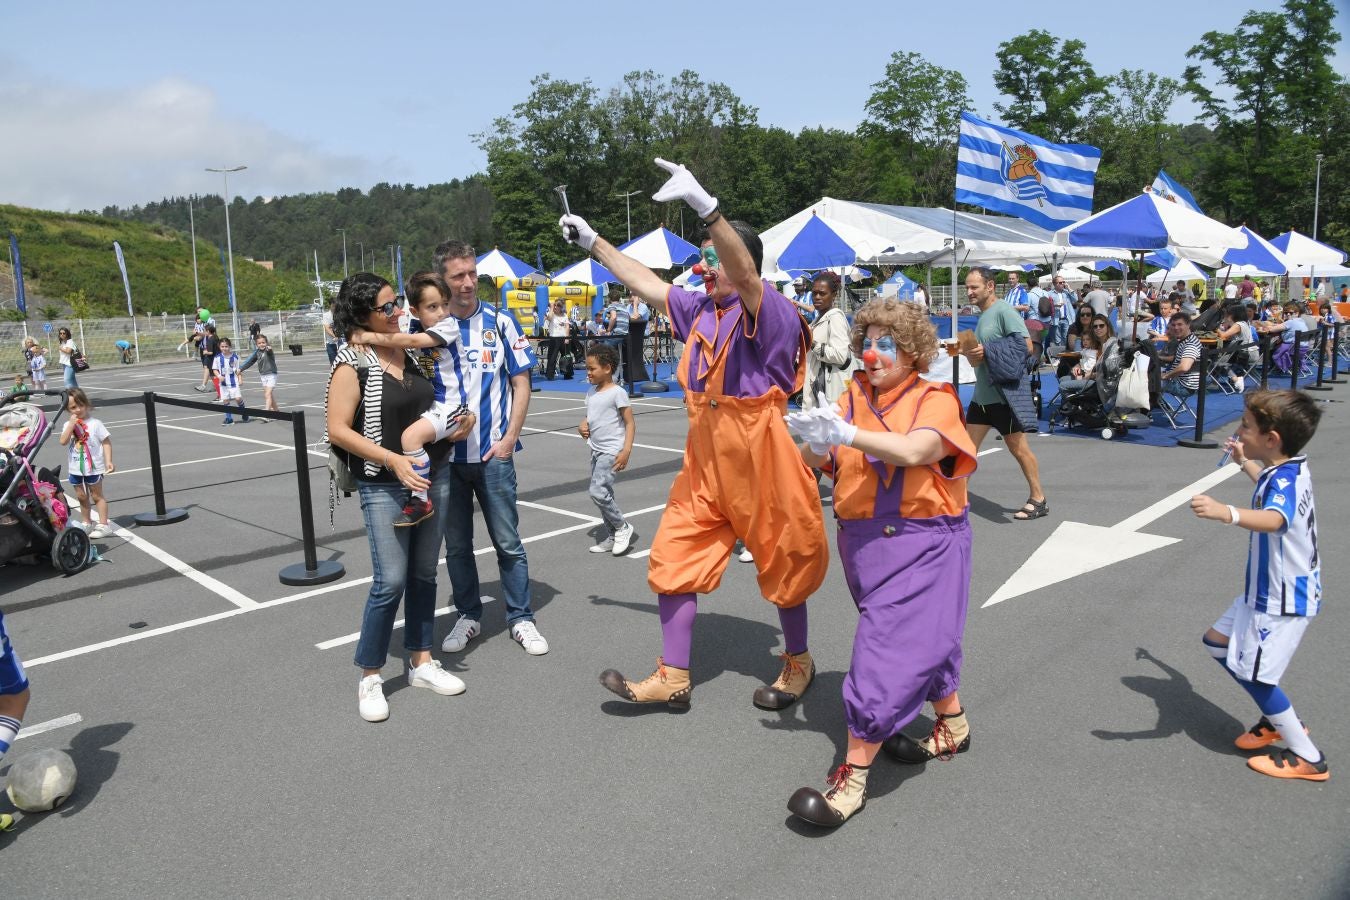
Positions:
(1090, 351)
(557, 328)
(68, 351)
(829, 362)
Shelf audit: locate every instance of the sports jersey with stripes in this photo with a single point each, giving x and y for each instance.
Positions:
(228, 367)
(442, 364)
(1284, 574)
(491, 349)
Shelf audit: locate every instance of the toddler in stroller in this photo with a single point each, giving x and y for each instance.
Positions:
(34, 520)
(1091, 402)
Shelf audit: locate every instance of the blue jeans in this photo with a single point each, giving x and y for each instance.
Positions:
(70, 377)
(494, 484)
(403, 561)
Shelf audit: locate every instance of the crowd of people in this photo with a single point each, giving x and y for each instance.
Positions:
(428, 421)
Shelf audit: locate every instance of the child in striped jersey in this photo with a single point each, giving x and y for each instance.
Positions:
(428, 296)
(1256, 638)
(225, 367)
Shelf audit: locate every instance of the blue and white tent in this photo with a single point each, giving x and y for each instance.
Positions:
(1259, 257)
(898, 285)
(496, 264)
(588, 271)
(1147, 223)
(819, 244)
(661, 249)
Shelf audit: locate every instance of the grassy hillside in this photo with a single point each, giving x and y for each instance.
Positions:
(65, 254)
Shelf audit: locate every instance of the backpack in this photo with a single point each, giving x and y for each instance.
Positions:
(339, 460)
(1045, 307)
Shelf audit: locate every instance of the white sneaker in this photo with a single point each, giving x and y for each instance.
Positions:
(604, 546)
(528, 636)
(623, 539)
(1239, 383)
(431, 675)
(101, 530)
(464, 631)
(370, 699)
(746, 556)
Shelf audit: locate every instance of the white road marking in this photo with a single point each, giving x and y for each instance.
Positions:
(990, 450)
(233, 436)
(49, 725)
(193, 462)
(1075, 548)
(572, 434)
(640, 554)
(561, 512)
(398, 623)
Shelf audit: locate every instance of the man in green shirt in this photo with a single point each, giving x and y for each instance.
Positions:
(989, 408)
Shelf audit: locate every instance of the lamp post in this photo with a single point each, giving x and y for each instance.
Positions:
(344, 251)
(362, 247)
(628, 208)
(192, 228)
(229, 245)
(1317, 195)
(393, 275)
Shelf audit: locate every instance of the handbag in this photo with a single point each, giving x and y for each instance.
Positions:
(79, 362)
(1132, 391)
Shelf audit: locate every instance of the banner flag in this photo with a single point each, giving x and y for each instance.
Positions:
(126, 283)
(398, 255)
(1167, 188)
(229, 284)
(1020, 174)
(20, 298)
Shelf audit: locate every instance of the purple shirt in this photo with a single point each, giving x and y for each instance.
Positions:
(763, 353)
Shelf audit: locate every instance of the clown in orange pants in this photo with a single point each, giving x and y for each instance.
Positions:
(745, 351)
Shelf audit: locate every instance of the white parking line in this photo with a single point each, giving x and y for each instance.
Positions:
(237, 437)
(572, 434)
(398, 623)
(561, 512)
(193, 462)
(49, 725)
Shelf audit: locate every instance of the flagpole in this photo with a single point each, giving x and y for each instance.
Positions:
(192, 228)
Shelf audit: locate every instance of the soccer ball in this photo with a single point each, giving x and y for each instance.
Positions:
(41, 781)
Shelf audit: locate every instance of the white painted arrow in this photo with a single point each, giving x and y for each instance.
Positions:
(1075, 549)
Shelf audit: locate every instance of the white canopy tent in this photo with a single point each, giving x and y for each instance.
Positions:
(1184, 270)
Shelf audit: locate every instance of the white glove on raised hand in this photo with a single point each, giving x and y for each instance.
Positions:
(810, 429)
(682, 185)
(576, 231)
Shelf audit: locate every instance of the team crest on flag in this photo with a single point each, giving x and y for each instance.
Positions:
(1020, 174)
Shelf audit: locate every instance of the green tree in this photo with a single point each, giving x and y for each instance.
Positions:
(1129, 124)
(49, 312)
(282, 298)
(80, 305)
(1051, 84)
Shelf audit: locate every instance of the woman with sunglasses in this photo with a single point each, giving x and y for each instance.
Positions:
(1073, 341)
(389, 390)
(1091, 350)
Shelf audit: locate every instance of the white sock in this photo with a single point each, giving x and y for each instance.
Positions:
(9, 730)
(1291, 731)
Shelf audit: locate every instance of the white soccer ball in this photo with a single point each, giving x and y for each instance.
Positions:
(41, 781)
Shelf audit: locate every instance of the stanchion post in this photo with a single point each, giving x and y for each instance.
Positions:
(1296, 362)
(1265, 360)
(161, 515)
(1335, 356)
(1200, 442)
(1321, 359)
(312, 570)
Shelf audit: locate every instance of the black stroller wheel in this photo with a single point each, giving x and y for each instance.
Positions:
(70, 550)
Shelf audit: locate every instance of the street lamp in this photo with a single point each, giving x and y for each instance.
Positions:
(344, 251)
(393, 275)
(362, 247)
(192, 228)
(1317, 195)
(229, 245)
(628, 208)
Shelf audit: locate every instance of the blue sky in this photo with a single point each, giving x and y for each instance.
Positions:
(127, 102)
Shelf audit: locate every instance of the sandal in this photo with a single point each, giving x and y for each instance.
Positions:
(1032, 509)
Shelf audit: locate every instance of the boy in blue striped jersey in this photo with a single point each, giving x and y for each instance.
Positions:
(436, 335)
(1256, 638)
(225, 366)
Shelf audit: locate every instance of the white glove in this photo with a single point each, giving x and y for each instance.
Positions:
(576, 231)
(682, 185)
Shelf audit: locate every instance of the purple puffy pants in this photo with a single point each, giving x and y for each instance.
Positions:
(910, 579)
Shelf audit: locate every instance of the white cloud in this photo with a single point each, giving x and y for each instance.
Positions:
(72, 148)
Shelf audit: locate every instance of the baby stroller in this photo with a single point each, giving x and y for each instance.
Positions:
(1094, 405)
(34, 520)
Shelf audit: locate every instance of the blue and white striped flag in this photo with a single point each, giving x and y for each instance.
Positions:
(1019, 174)
(20, 298)
(1166, 186)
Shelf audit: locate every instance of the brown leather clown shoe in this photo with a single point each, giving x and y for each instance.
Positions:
(667, 685)
(951, 735)
(847, 795)
(799, 670)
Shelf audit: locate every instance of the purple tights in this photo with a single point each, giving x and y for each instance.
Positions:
(677, 627)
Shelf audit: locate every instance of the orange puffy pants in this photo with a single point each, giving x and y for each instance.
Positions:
(742, 477)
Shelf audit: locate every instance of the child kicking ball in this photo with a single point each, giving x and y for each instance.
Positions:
(1256, 638)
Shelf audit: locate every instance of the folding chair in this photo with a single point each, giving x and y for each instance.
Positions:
(1221, 367)
(1174, 407)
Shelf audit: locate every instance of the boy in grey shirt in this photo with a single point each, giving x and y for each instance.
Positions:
(609, 429)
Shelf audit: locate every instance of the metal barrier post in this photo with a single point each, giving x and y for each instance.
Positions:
(161, 515)
(313, 570)
(1296, 363)
(1265, 360)
(1321, 359)
(1335, 355)
(1200, 442)
(625, 360)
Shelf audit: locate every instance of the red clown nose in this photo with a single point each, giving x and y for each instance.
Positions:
(700, 269)
(870, 357)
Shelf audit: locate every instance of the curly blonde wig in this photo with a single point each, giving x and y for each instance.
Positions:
(905, 321)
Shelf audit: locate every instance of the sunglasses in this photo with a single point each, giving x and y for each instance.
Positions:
(387, 307)
(1100, 325)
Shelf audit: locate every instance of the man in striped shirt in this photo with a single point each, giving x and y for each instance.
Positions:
(1181, 376)
(1256, 638)
(492, 377)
